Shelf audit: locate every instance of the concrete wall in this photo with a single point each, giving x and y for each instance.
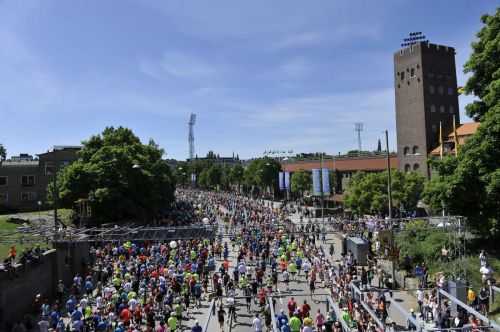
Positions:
(17, 293)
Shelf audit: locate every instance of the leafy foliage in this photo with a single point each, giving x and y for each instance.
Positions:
(484, 65)
(122, 178)
(301, 182)
(367, 192)
(3, 153)
(470, 185)
(421, 243)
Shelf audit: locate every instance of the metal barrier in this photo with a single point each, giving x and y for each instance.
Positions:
(210, 312)
(357, 291)
(476, 313)
(338, 314)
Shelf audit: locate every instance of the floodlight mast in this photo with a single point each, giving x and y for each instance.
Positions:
(192, 121)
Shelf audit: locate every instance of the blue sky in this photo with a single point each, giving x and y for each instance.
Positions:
(258, 74)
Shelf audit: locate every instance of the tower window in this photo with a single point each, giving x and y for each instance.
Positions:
(452, 109)
(416, 167)
(402, 76)
(406, 150)
(450, 91)
(415, 149)
(431, 89)
(440, 90)
(441, 108)
(412, 72)
(407, 167)
(433, 108)
(434, 128)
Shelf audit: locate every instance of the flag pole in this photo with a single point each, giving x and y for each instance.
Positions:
(440, 141)
(455, 137)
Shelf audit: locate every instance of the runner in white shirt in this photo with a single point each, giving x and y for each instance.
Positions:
(257, 323)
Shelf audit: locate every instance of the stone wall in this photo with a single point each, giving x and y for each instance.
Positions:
(17, 293)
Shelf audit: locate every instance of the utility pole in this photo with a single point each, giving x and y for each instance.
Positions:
(389, 190)
(56, 194)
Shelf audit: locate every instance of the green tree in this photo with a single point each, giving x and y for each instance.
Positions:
(122, 178)
(262, 173)
(3, 153)
(301, 182)
(470, 185)
(367, 192)
(236, 175)
(484, 67)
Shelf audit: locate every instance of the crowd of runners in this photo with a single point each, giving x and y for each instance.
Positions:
(252, 266)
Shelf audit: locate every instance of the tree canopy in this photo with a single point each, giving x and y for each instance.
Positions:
(3, 153)
(367, 192)
(301, 182)
(122, 178)
(484, 67)
(469, 185)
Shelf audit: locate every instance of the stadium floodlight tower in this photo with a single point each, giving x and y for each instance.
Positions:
(192, 121)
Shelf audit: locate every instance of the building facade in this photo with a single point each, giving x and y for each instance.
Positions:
(425, 86)
(344, 167)
(24, 179)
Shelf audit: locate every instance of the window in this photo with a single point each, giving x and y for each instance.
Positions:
(433, 108)
(28, 196)
(434, 128)
(407, 167)
(4, 197)
(450, 91)
(452, 109)
(441, 108)
(412, 72)
(440, 90)
(431, 89)
(28, 180)
(4, 181)
(415, 149)
(416, 167)
(406, 150)
(431, 75)
(402, 76)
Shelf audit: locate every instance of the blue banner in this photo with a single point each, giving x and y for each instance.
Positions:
(325, 175)
(281, 181)
(287, 180)
(316, 181)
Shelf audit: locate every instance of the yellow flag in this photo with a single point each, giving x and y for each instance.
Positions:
(440, 140)
(455, 138)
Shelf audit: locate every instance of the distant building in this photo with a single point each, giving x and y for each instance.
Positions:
(344, 167)
(464, 132)
(24, 179)
(425, 85)
(217, 160)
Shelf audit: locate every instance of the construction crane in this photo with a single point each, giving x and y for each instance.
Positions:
(192, 121)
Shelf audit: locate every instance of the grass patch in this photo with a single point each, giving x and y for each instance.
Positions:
(22, 241)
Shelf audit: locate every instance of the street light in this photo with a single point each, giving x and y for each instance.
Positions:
(136, 166)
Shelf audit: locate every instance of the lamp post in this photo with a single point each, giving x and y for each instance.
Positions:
(389, 189)
(56, 196)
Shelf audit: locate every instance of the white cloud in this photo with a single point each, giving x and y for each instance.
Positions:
(296, 67)
(178, 65)
(299, 40)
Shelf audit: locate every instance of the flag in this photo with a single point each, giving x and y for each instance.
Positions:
(440, 140)
(281, 181)
(316, 177)
(455, 136)
(287, 181)
(325, 175)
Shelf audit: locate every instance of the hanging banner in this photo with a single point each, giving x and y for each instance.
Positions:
(316, 177)
(287, 180)
(281, 181)
(325, 175)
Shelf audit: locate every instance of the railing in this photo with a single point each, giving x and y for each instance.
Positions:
(210, 312)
